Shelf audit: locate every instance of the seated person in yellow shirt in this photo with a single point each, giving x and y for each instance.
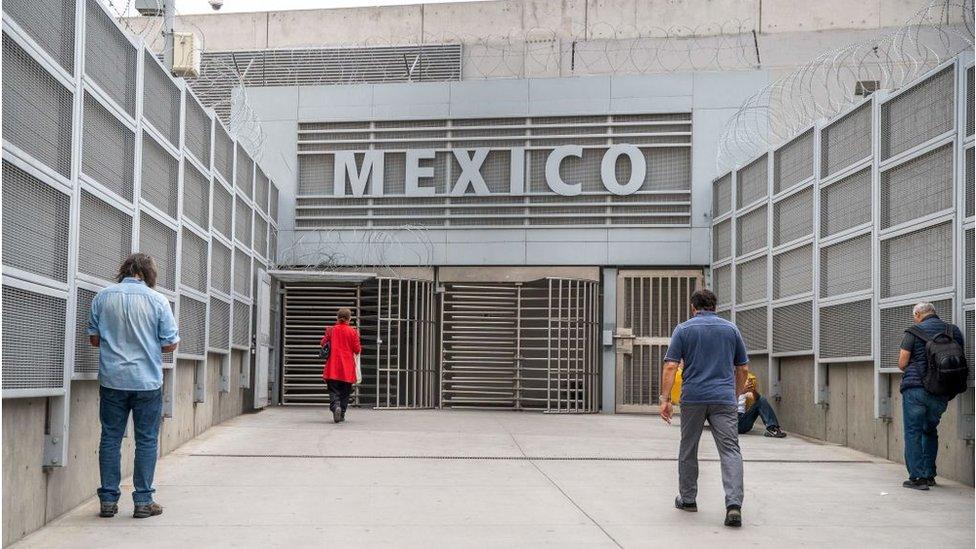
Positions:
(752, 406)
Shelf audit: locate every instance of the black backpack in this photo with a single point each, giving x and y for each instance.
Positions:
(947, 372)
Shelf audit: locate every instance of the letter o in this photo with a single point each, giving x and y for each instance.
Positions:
(608, 169)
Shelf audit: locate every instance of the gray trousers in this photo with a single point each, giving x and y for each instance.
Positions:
(724, 421)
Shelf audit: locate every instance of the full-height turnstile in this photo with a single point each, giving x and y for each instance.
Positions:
(521, 345)
(396, 320)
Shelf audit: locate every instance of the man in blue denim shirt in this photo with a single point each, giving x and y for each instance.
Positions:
(132, 326)
(921, 410)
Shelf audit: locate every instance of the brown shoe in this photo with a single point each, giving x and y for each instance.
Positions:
(109, 509)
(146, 511)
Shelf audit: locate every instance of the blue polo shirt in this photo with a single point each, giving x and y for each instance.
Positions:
(711, 348)
(133, 322)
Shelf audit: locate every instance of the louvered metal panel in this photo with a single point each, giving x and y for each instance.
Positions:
(86, 356)
(751, 182)
(219, 325)
(260, 236)
(722, 195)
(922, 112)
(33, 339)
(970, 97)
(845, 203)
(722, 240)
(242, 272)
(793, 162)
(970, 181)
(108, 151)
(223, 154)
(223, 211)
(193, 267)
(273, 244)
(917, 261)
(220, 267)
(36, 109)
(968, 328)
(722, 284)
(196, 196)
(170, 357)
(244, 172)
(51, 23)
(917, 188)
(750, 280)
(970, 262)
(845, 267)
(273, 207)
(895, 320)
(160, 176)
(197, 130)
(104, 238)
(726, 314)
(161, 100)
(110, 59)
(793, 328)
(159, 241)
(846, 141)
(36, 219)
(750, 230)
(193, 326)
(242, 221)
(261, 190)
(752, 325)
(793, 217)
(845, 330)
(242, 324)
(793, 272)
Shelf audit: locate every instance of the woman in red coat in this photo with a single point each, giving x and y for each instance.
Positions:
(340, 368)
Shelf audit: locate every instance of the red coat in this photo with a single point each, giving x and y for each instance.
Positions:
(341, 364)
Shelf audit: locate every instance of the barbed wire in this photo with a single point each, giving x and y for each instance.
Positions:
(827, 85)
(369, 249)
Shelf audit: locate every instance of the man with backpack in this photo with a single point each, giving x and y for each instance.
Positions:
(933, 360)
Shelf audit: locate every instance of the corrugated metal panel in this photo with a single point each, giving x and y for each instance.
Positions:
(793, 162)
(722, 284)
(159, 241)
(110, 59)
(86, 356)
(36, 221)
(846, 203)
(197, 130)
(242, 324)
(924, 111)
(793, 217)
(752, 325)
(918, 261)
(750, 230)
(219, 325)
(160, 176)
(193, 326)
(750, 280)
(845, 330)
(244, 172)
(793, 328)
(793, 272)
(105, 237)
(161, 101)
(917, 188)
(196, 196)
(752, 182)
(846, 141)
(220, 267)
(51, 23)
(242, 221)
(223, 211)
(722, 240)
(722, 195)
(108, 151)
(242, 273)
(193, 267)
(845, 267)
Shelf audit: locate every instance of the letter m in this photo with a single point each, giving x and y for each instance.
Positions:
(347, 170)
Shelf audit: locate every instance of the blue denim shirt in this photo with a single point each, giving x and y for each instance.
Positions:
(133, 322)
(711, 348)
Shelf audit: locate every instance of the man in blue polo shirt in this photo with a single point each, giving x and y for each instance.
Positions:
(132, 326)
(714, 374)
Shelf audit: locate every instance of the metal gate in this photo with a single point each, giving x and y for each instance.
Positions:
(532, 345)
(396, 323)
(649, 305)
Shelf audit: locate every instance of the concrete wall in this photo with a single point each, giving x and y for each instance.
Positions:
(558, 20)
(33, 496)
(848, 417)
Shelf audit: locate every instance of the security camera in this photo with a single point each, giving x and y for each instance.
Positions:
(216, 4)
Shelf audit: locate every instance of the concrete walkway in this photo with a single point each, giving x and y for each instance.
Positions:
(289, 477)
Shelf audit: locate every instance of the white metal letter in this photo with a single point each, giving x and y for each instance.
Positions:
(470, 171)
(415, 172)
(372, 170)
(553, 179)
(517, 175)
(608, 169)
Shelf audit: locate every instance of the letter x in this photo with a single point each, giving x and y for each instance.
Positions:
(470, 172)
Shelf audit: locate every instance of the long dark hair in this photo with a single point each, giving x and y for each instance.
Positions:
(138, 265)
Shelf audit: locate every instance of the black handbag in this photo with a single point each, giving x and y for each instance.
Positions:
(324, 351)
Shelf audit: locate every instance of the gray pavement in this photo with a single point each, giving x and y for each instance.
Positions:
(289, 477)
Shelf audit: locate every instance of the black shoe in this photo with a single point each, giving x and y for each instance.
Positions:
(774, 432)
(683, 506)
(930, 481)
(916, 484)
(109, 509)
(146, 511)
(336, 415)
(733, 516)
(342, 416)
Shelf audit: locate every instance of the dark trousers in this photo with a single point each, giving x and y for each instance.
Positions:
(921, 414)
(762, 409)
(147, 413)
(339, 392)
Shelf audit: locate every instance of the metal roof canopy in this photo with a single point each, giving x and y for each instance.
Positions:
(290, 275)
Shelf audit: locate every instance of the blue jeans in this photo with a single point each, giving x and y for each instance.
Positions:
(147, 414)
(921, 412)
(761, 408)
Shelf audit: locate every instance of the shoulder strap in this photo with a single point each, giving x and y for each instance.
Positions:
(917, 332)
